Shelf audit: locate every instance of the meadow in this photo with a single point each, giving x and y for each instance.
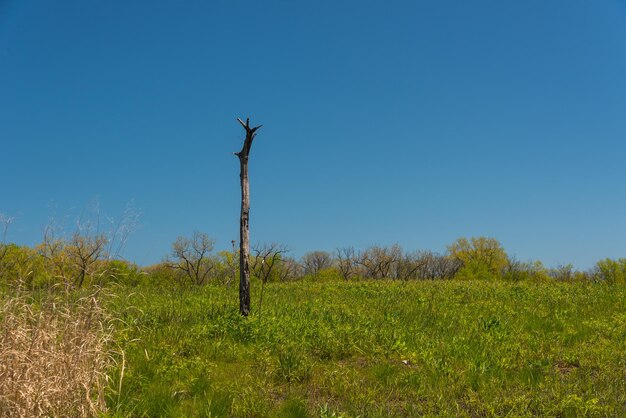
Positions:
(373, 333)
(370, 348)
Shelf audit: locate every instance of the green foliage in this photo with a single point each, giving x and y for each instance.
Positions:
(24, 267)
(226, 267)
(482, 258)
(34, 269)
(119, 272)
(611, 271)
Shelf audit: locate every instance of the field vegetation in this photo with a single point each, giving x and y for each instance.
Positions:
(376, 332)
(376, 348)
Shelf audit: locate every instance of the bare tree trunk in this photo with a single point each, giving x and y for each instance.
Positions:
(244, 240)
(244, 220)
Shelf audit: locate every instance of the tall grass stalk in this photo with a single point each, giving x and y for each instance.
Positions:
(53, 355)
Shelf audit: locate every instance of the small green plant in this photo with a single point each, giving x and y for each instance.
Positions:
(293, 365)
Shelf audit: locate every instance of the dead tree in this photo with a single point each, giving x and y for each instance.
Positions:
(244, 226)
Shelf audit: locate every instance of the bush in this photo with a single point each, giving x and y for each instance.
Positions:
(476, 271)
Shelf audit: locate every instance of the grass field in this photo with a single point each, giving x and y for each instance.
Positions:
(372, 348)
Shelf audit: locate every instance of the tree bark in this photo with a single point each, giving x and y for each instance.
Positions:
(244, 220)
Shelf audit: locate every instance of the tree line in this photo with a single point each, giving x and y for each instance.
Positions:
(91, 254)
(477, 258)
(84, 257)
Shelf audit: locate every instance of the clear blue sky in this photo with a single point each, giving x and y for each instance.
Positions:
(410, 122)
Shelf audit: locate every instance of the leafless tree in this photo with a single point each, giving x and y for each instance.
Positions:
(266, 259)
(244, 220)
(289, 269)
(316, 261)
(377, 262)
(75, 257)
(84, 250)
(407, 266)
(87, 244)
(563, 272)
(438, 266)
(346, 261)
(192, 257)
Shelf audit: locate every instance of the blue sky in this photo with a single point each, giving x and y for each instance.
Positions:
(410, 122)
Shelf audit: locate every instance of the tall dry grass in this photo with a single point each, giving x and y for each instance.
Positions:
(54, 354)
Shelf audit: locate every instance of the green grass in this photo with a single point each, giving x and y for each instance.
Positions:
(373, 349)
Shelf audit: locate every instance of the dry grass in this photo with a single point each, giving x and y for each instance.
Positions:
(53, 356)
